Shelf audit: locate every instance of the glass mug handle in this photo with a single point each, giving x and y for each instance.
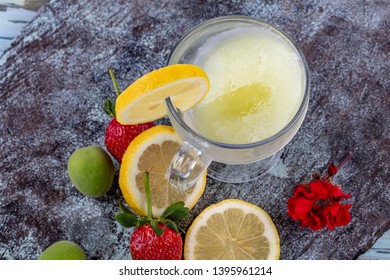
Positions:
(187, 166)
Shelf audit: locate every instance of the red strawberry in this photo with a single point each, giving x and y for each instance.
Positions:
(145, 244)
(119, 136)
(154, 238)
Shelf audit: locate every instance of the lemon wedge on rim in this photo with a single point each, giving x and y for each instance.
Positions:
(144, 100)
(232, 230)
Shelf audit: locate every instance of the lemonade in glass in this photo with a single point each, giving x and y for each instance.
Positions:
(259, 92)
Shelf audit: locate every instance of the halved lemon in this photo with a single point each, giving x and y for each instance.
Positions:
(144, 100)
(152, 151)
(232, 230)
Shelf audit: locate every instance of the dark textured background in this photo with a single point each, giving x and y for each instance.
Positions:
(55, 79)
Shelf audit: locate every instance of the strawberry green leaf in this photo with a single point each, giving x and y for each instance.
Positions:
(172, 208)
(124, 208)
(142, 221)
(109, 108)
(156, 228)
(176, 212)
(126, 219)
(172, 225)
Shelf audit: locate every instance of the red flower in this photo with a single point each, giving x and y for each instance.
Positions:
(337, 215)
(317, 204)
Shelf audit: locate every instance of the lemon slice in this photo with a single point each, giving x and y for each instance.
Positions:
(232, 230)
(144, 100)
(152, 151)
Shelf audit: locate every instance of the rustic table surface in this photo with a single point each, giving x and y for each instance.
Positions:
(53, 80)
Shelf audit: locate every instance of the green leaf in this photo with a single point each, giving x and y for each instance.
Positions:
(172, 208)
(156, 227)
(109, 108)
(126, 219)
(124, 208)
(142, 221)
(176, 212)
(172, 225)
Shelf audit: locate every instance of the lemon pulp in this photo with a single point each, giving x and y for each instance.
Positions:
(152, 151)
(232, 230)
(144, 100)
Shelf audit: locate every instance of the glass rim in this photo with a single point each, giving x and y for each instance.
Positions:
(302, 108)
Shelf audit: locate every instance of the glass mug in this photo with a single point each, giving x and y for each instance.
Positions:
(246, 60)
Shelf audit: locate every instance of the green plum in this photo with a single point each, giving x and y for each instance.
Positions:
(63, 250)
(91, 171)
